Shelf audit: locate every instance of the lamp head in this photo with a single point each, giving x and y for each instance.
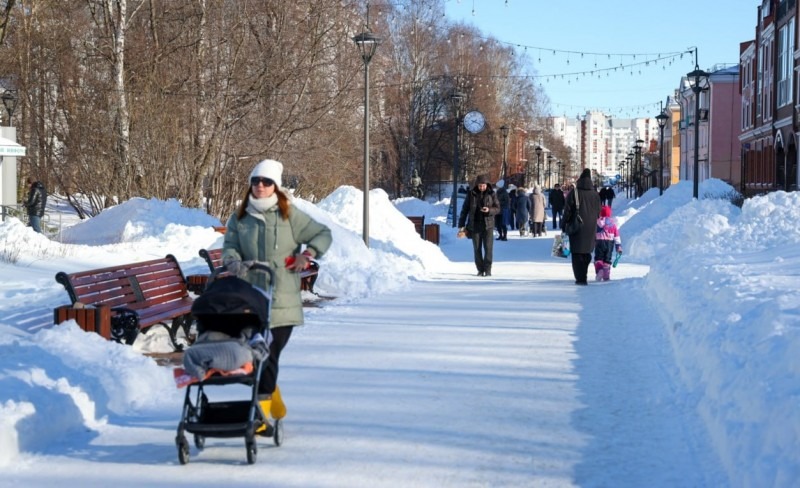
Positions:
(698, 79)
(504, 130)
(662, 119)
(538, 150)
(367, 43)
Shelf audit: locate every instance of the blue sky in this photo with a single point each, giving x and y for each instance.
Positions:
(715, 27)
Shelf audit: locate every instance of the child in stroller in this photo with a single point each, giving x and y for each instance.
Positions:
(233, 332)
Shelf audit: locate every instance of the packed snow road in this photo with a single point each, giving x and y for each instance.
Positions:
(516, 380)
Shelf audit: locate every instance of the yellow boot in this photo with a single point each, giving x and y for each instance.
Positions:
(266, 406)
(278, 410)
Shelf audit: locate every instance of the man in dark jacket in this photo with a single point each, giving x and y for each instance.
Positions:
(610, 195)
(35, 204)
(556, 201)
(581, 244)
(477, 219)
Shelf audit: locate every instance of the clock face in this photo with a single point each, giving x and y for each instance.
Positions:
(474, 121)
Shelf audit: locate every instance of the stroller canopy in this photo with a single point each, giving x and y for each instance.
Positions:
(231, 304)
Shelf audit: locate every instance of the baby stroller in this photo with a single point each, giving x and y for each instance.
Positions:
(234, 307)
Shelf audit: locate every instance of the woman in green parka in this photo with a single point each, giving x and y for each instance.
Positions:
(268, 228)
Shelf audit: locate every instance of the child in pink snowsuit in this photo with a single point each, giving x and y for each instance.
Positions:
(606, 239)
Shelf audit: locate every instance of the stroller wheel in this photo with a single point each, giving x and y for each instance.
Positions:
(277, 437)
(183, 450)
(251, 451)
(199, 441)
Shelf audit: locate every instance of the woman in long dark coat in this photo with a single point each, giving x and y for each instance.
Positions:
(477, 217)
(581, 244)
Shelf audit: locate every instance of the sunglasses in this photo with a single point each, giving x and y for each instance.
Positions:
(255, 180)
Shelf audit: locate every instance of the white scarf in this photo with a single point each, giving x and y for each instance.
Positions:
(257, 206)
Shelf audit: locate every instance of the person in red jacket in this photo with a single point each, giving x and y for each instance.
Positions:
(607, 239)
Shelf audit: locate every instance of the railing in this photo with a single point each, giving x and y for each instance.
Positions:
(51, 227)
(13, 211)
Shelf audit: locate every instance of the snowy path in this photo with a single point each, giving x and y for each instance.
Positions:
(528, 381)
(532, 381)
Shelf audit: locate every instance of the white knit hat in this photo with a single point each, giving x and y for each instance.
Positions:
(269, 168)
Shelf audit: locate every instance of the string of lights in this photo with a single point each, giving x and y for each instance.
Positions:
(590, 64)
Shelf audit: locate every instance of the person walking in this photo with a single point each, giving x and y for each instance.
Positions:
(267, 227)
(501, 219)
(610, 195)
(512, 200)
(35, 204)
(581, 244)
(538, 216)
(556, 200)
(607, 239)
(602, 194)
(477, 219)
(522, 210)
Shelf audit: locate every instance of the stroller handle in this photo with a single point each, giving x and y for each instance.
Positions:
(263, 268)
(259, 266)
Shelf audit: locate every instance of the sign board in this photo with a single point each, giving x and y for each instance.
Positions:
(10, 148)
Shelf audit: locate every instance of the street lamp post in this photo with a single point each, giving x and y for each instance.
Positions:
(662, 122)
(629, 179)
(455, 98)
(697, 80)
(367, 43)
(638, 152)
(560, 174)
(538, 160)
(504, 129)
(549, 165)
(10, 103)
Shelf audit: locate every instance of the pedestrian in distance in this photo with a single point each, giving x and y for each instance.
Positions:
(607, 239)
(602, 194)
(512, 198)
(522, 210)
(556, 200)
(581, 244)
(35, 204)
(501, 219)
(477, 220)
(610, 195)
(538, 214)
(268, 228)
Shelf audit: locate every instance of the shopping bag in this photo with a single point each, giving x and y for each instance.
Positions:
(558, 246)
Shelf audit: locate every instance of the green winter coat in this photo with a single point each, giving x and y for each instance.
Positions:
(270, 239)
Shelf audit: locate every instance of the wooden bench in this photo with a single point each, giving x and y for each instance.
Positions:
(419, 224)
(213, 257)
(120, 301)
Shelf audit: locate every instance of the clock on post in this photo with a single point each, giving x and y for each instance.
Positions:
(474, 121)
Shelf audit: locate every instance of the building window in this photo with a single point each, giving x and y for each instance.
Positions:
(760, 80)
(785, 64)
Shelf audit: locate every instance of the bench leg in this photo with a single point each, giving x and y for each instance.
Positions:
(125, 327)
(183, 322)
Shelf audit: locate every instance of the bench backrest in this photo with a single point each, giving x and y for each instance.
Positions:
(419, 223)
(152, 282)
(213, 258)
